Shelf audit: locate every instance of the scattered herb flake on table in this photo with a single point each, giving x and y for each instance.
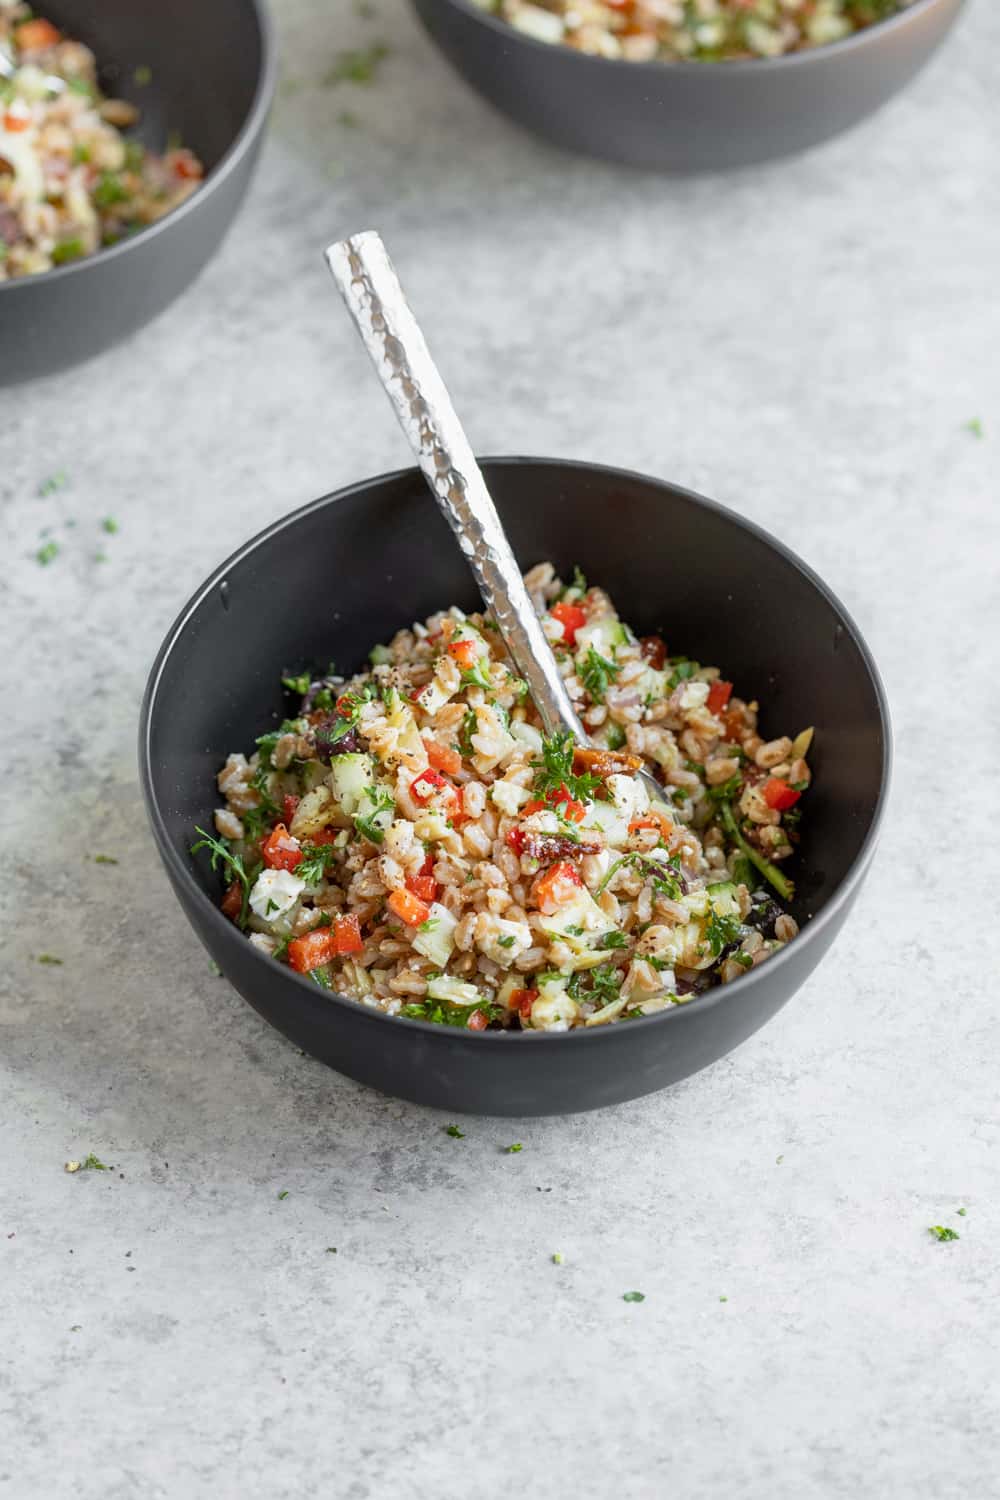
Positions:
(282, 1194)
(54, 482)
(509, 1150)
(453, 1130)
(359, 65)
(49, 958)
(105, 859)
(975, 427)
(633, 1296)
(47, 553)
(110, 525)
(557, 1257)
(962, 1212)
(941, 1232)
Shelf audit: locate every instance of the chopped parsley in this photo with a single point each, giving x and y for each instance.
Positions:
(975, 426)
(961, 1212)
(266, 742)
(49, 958)
(555, 769)
(104, 859)
(557, 1257)
(721, 931)
(682, 670)
(940, 1232)
(454, 1131)
(56, 481)
(316, 860)
(613, 940)
(598, 986)
(778, 1160)
(223, 856)
(510, 1150)
(282, 1194)
(67, 250)
(596, 673)
(506, 942)
(108, 190)
(372, 824)
(110, 525)
(92, 1163)
(428, 924)
(633, 1296)
(47, 553)
(450, 1015)
(298, 684)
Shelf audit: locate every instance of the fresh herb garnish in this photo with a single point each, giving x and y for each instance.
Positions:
(727, 791)
(975, 426)
(682, 670)
(92, 1163)
(316, 860)
(428, 924)
(510, 1150)
(373, 823)
(506, 942)
(108, 190)
(67, 250)
(283, 1194)
(110, 525)
(633, 1296)
(555, 769)
(940, 1232)
(49, 958)
(298, 684)
(47, 553)
(104, 859)
(613, 940)
(557, 1257)
(453, 1130)
(450, 1015)
(596, 673)
(56, 481)
(598, 986)
(224, 856)
(721, 931)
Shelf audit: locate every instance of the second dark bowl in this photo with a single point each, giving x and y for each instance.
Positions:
(686, 117)
(335, 578)
(211, 78)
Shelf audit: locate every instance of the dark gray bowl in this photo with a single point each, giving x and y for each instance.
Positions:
(686, 117)
(212, 78)
(717, 586)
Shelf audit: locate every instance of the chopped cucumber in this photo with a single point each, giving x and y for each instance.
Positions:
(452, 991)
(350, 778)
(435, 939)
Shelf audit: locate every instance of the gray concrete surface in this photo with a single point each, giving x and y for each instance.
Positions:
(807, 343)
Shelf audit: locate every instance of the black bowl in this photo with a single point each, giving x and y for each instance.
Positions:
(348, 571)
(686, 117)
(212, 70)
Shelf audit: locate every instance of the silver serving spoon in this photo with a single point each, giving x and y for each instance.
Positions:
(370, 287)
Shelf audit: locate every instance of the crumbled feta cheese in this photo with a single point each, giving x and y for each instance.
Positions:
(693, 695)
(274, 894)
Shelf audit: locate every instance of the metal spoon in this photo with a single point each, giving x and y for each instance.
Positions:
(370, 287)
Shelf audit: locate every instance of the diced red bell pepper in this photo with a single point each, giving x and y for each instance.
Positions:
(562, 798)
(425, 887)
(477, 1021)
(515, 840)
(557, 886)
(325, 943)
(718, 696)
(779, 795)
(423, 787)
(570, 617)
(279, 850)
(33, 35)
(323, 836)
(464, 653)
(443, 757)
(408, 908)
(522, 1001)
(232, 901)
(654, 650)
(290, 803)
(638, 823)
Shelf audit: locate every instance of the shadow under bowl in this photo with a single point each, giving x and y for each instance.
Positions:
(346, 572)
(686, 117)
(203, 71)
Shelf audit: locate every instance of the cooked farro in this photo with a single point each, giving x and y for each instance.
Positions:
(70, 182)
(411, 840)
(691, 30)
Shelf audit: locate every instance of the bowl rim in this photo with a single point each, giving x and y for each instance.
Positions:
(180, 868)
(232, 156)
(737, 65)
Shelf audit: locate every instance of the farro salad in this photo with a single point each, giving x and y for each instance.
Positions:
(691, 30)
(411, 839)
(70, 182)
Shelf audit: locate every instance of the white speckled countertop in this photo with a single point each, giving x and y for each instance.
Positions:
(806, 342)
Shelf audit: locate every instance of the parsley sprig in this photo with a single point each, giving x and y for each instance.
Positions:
(596, 673)
(555, 769)
(224, 858)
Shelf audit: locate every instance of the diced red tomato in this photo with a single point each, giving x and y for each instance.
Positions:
(638, 823)
(515, 840)
(423, 886)
(427, 868)
(232, 901)
(32, 36)
(560, 797)
(463, 652)
(522, 1001)
(779, 795)
(570, 617)
(408, 907)
(323, 836)
(477, 1021)
(279, 850)
(557, 886)
(718, 695)
(423, 787)
(443, 757)
(288, 809)
(654, 650)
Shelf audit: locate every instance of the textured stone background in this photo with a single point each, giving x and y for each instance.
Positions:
(804, 342)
